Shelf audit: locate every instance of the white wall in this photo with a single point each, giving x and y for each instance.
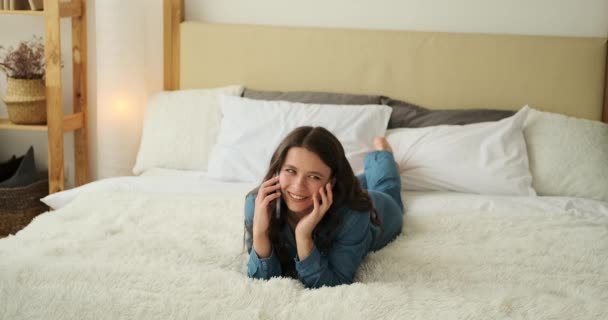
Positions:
(129, 68)
(541, 17)
(125, 49)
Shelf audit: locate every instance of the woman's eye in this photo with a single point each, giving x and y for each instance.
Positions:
(315, 177)
(290, 171)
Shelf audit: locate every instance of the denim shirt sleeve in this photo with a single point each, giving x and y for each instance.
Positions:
(257, 268)
(350, 246)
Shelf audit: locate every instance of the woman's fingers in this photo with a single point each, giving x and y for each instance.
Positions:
(268, 187)
(323, 207)
(330, 193)
(324, 199)
(270, 181)
(270, 198)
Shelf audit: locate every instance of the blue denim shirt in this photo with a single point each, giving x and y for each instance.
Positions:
(351, 244)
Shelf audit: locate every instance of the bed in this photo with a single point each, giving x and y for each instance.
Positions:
(504, 219)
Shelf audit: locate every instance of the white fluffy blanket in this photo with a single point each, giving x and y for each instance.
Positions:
(140, 256)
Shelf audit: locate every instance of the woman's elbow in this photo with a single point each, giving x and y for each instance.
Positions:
(327, 282)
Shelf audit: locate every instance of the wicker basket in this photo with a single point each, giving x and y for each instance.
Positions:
(18, 206)
(26, 101)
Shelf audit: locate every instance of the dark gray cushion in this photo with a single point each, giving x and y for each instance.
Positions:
(407, 115)
(25, 174)
(404, 115)
(312, 97)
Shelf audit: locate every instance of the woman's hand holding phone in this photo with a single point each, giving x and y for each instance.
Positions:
(261, 217)
(268, 192)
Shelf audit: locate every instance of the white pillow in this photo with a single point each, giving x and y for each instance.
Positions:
(60, 199)
(180, 127)
(483, 158)
(163, 184)
(568, 156)
(252, 129)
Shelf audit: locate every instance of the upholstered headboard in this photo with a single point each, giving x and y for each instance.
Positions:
(437, 70)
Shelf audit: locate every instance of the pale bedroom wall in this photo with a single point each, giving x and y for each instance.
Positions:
(541, 17)
(125, 49)
(128, 69)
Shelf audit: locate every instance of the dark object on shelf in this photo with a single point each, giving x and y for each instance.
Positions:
(8, 168)
(25, 174)
(21, 192)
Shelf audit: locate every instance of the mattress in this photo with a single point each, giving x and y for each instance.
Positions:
(170, 245)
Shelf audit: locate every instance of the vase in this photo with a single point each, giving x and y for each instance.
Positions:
(26, 101)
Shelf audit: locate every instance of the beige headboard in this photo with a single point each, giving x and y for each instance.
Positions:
(435, 70)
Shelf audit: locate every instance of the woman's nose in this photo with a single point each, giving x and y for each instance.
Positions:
(301, 181)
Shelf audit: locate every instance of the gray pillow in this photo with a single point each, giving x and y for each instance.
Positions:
(312, 97)
(404, 115)
(407, 115)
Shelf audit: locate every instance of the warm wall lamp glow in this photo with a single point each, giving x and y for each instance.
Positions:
(121, 107)
(124, 109)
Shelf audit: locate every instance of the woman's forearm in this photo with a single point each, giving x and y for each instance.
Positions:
(261, 245)
(304, 245)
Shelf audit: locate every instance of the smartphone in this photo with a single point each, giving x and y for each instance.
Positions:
(277, 204)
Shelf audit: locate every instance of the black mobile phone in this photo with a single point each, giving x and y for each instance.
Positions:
(277, 205)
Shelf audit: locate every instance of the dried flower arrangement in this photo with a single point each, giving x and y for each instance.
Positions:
(24, 62)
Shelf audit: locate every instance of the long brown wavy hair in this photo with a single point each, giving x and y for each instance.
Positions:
(346, 191)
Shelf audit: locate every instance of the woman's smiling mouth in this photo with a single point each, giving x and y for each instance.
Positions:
(296, 197)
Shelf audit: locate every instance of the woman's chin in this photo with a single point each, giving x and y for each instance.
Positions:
(299, 208)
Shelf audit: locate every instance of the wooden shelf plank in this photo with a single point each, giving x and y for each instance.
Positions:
(79, 83)
(66, 9)
(23, 12)
(54, 98)
(73, 122)
(5, 124)
(70, 9)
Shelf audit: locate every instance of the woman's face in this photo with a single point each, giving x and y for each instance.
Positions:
(303, 173)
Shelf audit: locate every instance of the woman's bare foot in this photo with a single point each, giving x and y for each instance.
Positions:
(380, 143)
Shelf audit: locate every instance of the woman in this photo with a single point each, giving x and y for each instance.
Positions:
(326, 222)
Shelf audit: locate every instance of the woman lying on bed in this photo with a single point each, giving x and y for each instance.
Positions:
(328, 219)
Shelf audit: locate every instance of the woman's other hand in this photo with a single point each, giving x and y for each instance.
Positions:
(322, 201)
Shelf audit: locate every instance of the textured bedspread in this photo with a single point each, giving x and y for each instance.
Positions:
(142, 256)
